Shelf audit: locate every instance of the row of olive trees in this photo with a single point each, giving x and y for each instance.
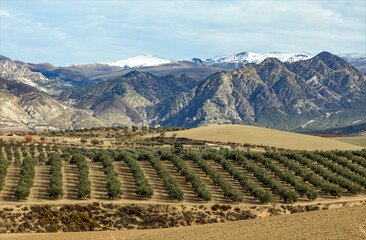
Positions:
(55, 189)
(113, 184)
(190, 176)
(3, 169)
(306, 175)
(263, 176)
(338, 169)
(171, 184)
(361, 153)
(353, 157)
(285, 175)
(32, 150)
(9, 154)
(326, 174)
(27, 178)
(144, 188)
(17, 157)
(343, 162)
(255, 190)
(84, 186)
(229, 191)
(42, 155)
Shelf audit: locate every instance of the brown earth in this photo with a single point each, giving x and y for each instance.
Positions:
(341, 223)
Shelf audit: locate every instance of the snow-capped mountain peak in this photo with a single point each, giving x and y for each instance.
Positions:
(251, 57)
(353, 56)
(139, 61)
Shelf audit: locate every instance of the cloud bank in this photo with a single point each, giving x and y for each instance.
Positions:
(75, 32)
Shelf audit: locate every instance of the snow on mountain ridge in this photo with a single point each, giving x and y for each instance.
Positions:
(353, 56)
(251, 57)
(139, 61)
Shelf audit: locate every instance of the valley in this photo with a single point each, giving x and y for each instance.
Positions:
(182, 120)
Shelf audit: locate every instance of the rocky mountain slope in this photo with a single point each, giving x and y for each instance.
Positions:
(324, 91)
(24, 106)
(22, 73)
(73, 75)
(321, 92)
(123, 100)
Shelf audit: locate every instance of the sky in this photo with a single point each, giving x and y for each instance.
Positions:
(83, 31)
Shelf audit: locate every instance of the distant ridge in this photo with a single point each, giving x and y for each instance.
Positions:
(321, 92)
(252, 57)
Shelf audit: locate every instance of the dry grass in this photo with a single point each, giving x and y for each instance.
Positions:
(356, 140)
(267, 137)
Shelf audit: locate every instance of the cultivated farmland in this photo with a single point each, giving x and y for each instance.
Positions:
(191, 184)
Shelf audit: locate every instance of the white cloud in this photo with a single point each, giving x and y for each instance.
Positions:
(5, 14)
(90, 31)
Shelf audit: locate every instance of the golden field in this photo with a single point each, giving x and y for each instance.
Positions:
(263, 136)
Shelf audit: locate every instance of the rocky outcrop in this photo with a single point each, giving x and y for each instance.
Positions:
(22, 74)
(26, 107)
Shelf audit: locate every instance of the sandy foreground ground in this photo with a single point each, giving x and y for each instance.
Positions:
(343, 223)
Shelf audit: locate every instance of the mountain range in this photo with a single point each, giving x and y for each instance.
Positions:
(276, 90)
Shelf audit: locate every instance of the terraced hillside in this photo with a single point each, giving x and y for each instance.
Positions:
(224, 177)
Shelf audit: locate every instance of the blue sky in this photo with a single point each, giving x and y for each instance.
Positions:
(79, 32)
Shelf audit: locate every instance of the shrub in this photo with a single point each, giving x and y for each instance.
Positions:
(28, 138)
